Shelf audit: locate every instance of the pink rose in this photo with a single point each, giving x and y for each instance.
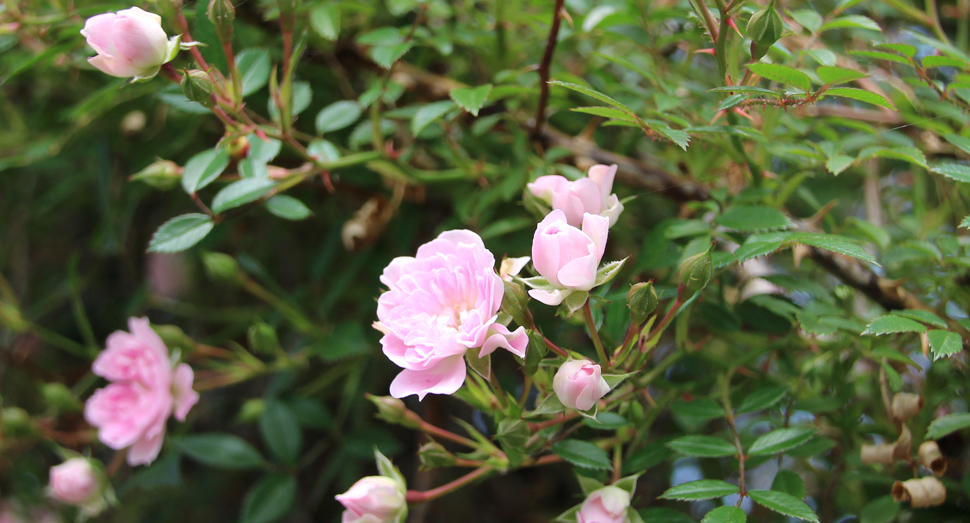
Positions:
(374, 499)
(566, 256)
(129, 43)
(74, 482)
(579, 384)
(145, 390)
(586, 195)
(440, 304)
(606, 505)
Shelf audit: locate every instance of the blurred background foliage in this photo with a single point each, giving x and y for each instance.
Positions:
(291, 302)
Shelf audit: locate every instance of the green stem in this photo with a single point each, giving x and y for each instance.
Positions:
(234, 74)
(593, 333)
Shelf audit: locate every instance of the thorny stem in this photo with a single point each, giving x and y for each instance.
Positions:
(544, 69)
(593, 333)
(415, 497)
(445, 434)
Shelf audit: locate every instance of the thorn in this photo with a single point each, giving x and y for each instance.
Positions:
(730, 22)
(741, 112)
(705, 51)
(565, 14)
(718, 116)
(327, 182)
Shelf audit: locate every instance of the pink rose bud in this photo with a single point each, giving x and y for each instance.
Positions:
(586, 195)
(579, 384)
(75, 482)
(145, 391)
(606, 505)
(129, 43)
(439, 305)
(568, 257)
(374, 499)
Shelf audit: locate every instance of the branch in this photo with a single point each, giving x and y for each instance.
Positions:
(544, 70)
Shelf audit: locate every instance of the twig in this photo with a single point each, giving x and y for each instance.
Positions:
(415, 497)
(544, 70)
(593, 333)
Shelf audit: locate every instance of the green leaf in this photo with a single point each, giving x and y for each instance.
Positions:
(608, 271)
(593, 93)
(428, 114)
(758, 245)
(287, 207)
(789, 482)
(834, 243)
(338, 115)
(783, 75)
(860, 95)
(605, 112)
(663, 515)
(923, 316)
(263, 150)
(582, 454)
(180, 233)
(254, 67)
(606, 421)
(895, 380)
(762, 398)
(646, 458)
(944, 343)
(325, 20)
(904, 49)
(881, 55)
(892, 324)
(386, 55)
(780, 440)
(744, 89)
(943, 61)
(281, 431)
(725, 514)
(784, 504)
(954, 171)
(837, 75)
(754, 218)
(807, 18)
(838, 163)
(814, 447)
(698, 410)
(731, 101)
(615, 379)
(219, 450)
(681, 138)
(323, 151)
(269, 500)
(880, 510)
(240, 193)
(703, 446)
(947, 425)
(203, 168)
(960, 141)
(851, 22)
(700, 489)
(471, 99)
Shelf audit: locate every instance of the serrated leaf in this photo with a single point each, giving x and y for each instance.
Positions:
(783, 75)
(471, 99)
(943, 61)
(851, 22)
(761, 399)
(325, 20)
(881, 55)
(663, 515)
(744, 89)
(780, 440)
(954, 171)
(838, 163)
(681, 138)
(753, 218)
(834, 243)
(269, 500)
(605, 112)
(699, 410)
(893, 377)
(783, 504)
(287, 207)
(703, 446)
(180, 233)
(606, 421)
(281, 431)
(386, 55)
(880, 510)
(615, 379)
(608, 271)
(731, 101)
(860, 95)
(904, 49)
(789, 482)
(838, 75)
(338, 115)
(240, 193)
(593, 93)
(203, 168)
(947, 425)
(814, 447)
(254, 67)
(220, 450)
(923, 316)
(892, 324)
(758, 245)
(807, 18)
(648, 457)
(960, 141)
(700, 490)
(944, 343)
(725, 514)
(966, 222)
(582, 454)
(428, 114)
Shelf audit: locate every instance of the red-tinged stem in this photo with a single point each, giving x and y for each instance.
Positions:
(415, 497)
(444, 434)
(555, 348)
(544, 68)
(544, 460)
(168, 71)
(234, 74)
(536, 427)
(202, 206)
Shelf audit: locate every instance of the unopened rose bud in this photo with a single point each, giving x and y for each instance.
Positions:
(765, 27)
(221, 267)
(129, 43)
(579, 384)
(434, 455)
(197, 86)
(251, 410)
(374, 499)
(642, 300)
(221, 14)
(392, 410)
(175, 338)
(16, 422)
(160, 174)
(696, 271)
(921, 493)
(931, 457)
(263, 340)
(905, 405)
(606, 505)
(60, 398)
(76, 482)
(238, 148)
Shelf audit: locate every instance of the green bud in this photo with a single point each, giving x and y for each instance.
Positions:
(251, 410)
(16, 422)
(221, 267)
(197, 86)
(765, 27)
(174, 338)
(60, 398)
(263, 340)
(514, 302)
(642, 300)
(160, 174)
(392, 410)
(534, 352)
(222, 13)
(696, 272)
(434, 455)
(169, 10)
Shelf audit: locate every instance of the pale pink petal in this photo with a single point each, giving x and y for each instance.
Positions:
(183, 395)
(139, 38)
(141, 328)
(113, 66)
(144, 451)
(444, 378)
(544, 186)
(580, 273)
(588, 192)
(598, 229)
(515, 342)
(553, 298)
(603, 175)
(97, 31)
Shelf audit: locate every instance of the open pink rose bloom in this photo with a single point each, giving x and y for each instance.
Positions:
(440, 304)
(592, 194)
(144, 391)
